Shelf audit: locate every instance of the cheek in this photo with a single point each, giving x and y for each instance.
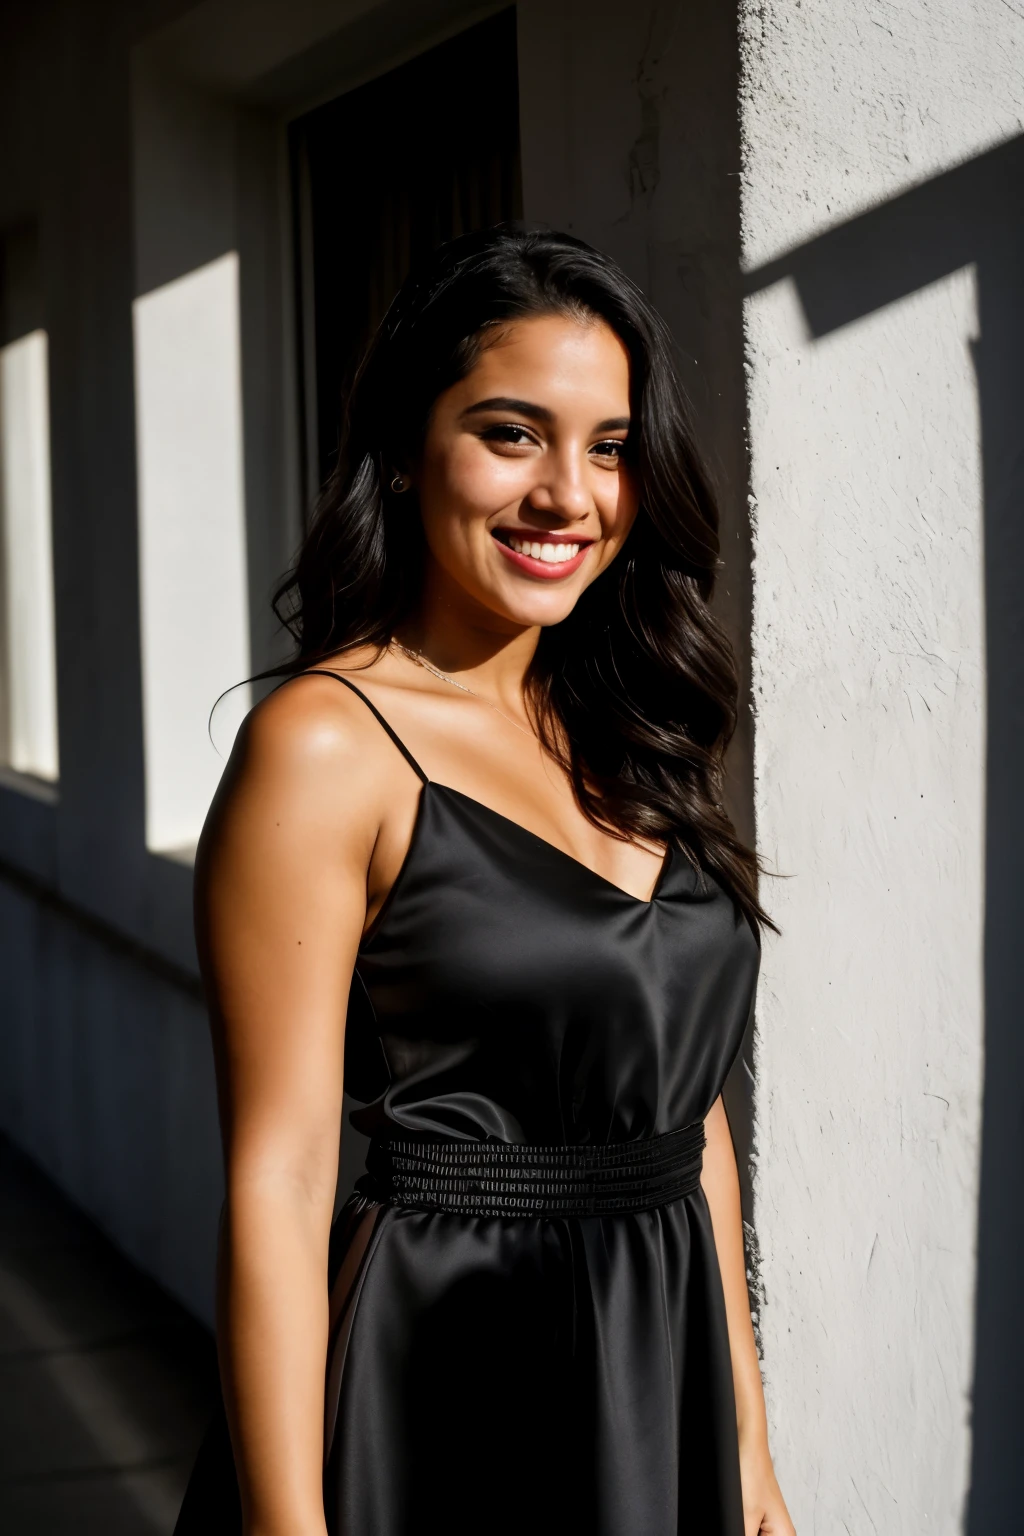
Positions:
(468, 482)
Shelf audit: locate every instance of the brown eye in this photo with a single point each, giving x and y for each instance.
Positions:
(508, 432)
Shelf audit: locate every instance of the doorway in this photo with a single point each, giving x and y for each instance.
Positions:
(381, 175)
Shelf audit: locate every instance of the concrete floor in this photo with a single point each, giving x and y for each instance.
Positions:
(105, 1383)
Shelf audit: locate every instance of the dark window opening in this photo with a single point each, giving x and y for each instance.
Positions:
(381, 176)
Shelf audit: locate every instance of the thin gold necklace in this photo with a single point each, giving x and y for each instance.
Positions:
(421, 661)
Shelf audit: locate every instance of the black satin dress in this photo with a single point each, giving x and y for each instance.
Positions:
(500, 1374)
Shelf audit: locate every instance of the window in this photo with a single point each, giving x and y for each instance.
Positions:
(382, 175)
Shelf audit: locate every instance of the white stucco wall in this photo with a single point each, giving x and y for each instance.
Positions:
(870, 734)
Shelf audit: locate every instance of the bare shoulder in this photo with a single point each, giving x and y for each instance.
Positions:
(310, 756)
(313, 721)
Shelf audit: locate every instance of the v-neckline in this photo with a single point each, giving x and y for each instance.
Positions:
(534, 837)
(427, 782)
(561, 853)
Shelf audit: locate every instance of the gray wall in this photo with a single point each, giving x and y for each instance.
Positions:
(107, 1082)
(105, 1074)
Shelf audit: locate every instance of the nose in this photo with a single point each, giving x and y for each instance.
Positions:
(561, 486)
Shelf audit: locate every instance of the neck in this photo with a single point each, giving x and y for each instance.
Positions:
(460, 636)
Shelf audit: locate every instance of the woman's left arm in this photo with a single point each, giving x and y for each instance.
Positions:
(764, 1509)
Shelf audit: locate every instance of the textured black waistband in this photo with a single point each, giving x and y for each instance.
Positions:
(496, 1178)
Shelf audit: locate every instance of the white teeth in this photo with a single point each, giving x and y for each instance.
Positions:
(550, 554)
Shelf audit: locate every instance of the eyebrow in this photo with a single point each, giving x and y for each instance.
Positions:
(538, 412)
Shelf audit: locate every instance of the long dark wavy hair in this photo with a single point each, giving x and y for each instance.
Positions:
(635, 691)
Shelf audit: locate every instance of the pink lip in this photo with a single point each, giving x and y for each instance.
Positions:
(541, 568)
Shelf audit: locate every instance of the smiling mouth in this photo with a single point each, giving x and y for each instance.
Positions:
(543, 555)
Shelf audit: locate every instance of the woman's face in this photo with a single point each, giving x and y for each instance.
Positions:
(525, 490)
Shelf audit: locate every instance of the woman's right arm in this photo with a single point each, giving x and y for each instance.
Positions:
(281, 882)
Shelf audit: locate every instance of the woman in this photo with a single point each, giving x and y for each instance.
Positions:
(488, 806)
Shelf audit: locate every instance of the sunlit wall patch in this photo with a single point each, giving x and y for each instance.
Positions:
(28, 673)
(192, 542)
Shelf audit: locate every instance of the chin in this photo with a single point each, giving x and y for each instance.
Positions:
(540, 610)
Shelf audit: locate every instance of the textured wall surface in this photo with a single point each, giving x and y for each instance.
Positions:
(869, 696)
(846, 104)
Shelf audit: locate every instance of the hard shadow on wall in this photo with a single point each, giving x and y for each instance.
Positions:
(972, 216)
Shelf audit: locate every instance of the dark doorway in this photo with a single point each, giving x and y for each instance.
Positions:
(382, 175)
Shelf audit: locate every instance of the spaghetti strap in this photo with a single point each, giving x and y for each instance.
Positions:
(375, 712)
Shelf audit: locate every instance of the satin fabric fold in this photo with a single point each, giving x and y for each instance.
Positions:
(511, 1375)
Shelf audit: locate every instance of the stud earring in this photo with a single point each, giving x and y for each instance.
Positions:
(399, 484)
